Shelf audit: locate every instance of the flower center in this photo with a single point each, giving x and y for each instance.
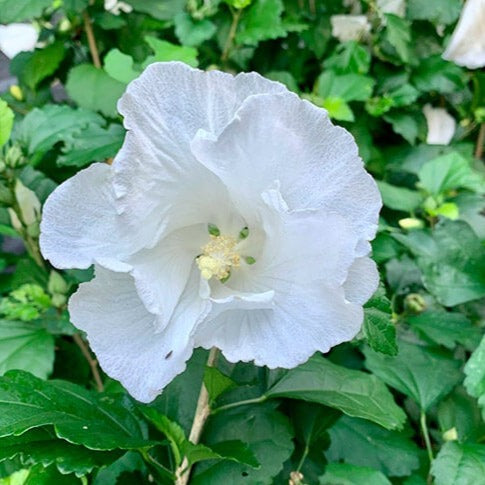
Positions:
(218, 256)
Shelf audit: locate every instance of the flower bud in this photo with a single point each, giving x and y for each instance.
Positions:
(57, 284)
(14, 157)
(16, 92)
(450, 435)
(410, 223)
(414, 303)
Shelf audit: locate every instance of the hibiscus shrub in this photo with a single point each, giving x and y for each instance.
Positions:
(403, 402)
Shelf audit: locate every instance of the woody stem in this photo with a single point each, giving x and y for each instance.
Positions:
(202, 412)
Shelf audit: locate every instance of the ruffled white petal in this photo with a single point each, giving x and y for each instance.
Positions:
(15, 38)
(441, 125)
(123, 333)
(349, 27)
(161, 273)
(467, 44)
(305, 264)
(280, 137)
(362, 280)
(305, 318)
(80, 224)
(163, 110)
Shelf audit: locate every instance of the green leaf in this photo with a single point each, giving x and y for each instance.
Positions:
(448, 210)
(261, 21)
(165, 10)
(437, 11)
(42, 128)
(423, 374)
(93, 144)
(450, 171)
(349, 87)
(405, 124)
(398, 34)
(216, 382)
(76, 6)
(459, 464)
(359, 442)
(435, 74)
(166, 51)
(311, 421)
(379, 105)
(353, 392)
(285, 78)
(32, 67)
(232, 450)
(384, 248)
(475, 375)
(399, 198)
(41, 446)
(446, 328)
(120, 66)
(451, 260)
(99, 422)
(94, 89)
(21, 10)
(40, 475)
(403, 95)
(38, 182)
(179, 399)
(193, 32)
(27, 347)
(470, 207)
(6, 122)
(338, 109)
(174, 433)
(17, 477)
(379, 330)
(345, 474)
(461, 412)
(349, 57)
(130, 462)
(267, 434)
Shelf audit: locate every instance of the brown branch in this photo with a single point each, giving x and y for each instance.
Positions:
(91, 40)
(93, 363)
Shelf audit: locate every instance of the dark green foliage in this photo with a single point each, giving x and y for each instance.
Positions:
(403, 403)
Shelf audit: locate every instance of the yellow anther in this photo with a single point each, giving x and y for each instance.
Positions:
(218, 257)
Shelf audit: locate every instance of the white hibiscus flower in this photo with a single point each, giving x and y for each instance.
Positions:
(15, 38)
(441, 125)
(235, 215)
(467, 44)
(349, 27)
(115, 7)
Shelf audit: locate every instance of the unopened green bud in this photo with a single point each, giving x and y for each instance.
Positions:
(57, 284)
(414, 303)
(410, 223)
(58, 300)
(14, 157)
(480, 114)
(429, 204)
(16, 92)
(450, 435)
(64, 25)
